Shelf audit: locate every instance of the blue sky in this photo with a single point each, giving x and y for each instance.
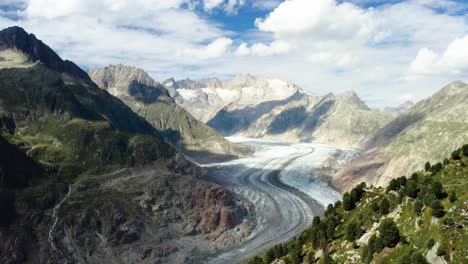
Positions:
(387, 51)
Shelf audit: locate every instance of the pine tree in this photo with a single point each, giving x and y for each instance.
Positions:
(389, 233)
(384, 206)
(446, 162)
(316, 221)
(427, 166)
(465, 150)
(418, 205)
(393, 185)
(411, 189)
(436, 168)
(456, 154)
(437, 189)
(352, 231)
(348, 204)
(437, 209)
(366, 255)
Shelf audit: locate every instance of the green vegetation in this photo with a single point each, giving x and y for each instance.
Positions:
(72, 128)
(398, 224)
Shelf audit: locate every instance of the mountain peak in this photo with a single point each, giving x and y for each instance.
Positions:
(452, 89)
(244, 78)
(17, 38)
(351, 97)
(169, 82)
(119, 79)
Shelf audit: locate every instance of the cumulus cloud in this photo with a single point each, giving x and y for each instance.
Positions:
(213, 50)
(323, 45)
(319, 17)
(454, 60)
(229, 6)
(211, 4)
(266, 4)
(260, 49)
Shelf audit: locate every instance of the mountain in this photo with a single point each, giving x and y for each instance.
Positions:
(84, 179)
(341, 120)
(152, 101)
(204, 98)
(415, 219)
(428, 131)
(250, 106)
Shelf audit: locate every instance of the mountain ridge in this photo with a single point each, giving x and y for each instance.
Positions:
(101, 183)
(152, 101)
(433, 128)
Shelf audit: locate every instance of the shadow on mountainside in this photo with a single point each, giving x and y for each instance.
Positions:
(147, 94)
(229, 123)
(394, 128)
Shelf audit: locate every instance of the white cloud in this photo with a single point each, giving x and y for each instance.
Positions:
(424, 61)
(211, 4)
(260, 49)
(454, 60)
(323, 45)
(266, 4)
(229, 6)
(232, 6)
(320, 17)
(213, 50)
(243, 50)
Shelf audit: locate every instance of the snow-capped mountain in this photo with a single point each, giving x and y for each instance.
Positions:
(206, 97)
(250, 106)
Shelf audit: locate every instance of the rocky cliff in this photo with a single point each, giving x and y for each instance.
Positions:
(151, 100)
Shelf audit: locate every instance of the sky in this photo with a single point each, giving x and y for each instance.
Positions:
(387, 51)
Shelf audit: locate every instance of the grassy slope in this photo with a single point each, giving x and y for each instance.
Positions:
(74, 128)
(183, 131)
(415, 229)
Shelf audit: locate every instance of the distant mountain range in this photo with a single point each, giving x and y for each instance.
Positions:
(152, 101)
(250, 106)
(394, 141)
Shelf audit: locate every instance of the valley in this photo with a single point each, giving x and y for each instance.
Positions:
(286, 182)
(110, 165)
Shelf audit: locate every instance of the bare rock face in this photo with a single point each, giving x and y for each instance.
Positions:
(145, 215)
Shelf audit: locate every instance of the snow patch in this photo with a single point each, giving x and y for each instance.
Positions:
(187, 94)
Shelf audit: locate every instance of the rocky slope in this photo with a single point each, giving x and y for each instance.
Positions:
(59, 133)
(151, 100)
(249, 106)
(428, 131)
(341, 120)
(416, 219)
